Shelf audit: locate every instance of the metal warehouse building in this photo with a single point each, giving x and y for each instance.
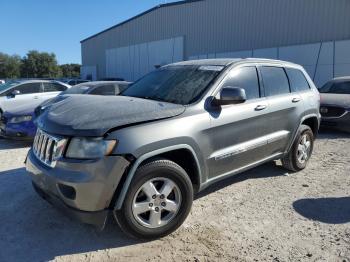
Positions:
(313, 33)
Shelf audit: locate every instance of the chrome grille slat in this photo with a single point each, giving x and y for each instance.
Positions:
(45, 147)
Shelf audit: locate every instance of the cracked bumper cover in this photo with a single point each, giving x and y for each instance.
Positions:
(91, 185)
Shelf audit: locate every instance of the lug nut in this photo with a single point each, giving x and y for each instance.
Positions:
(163, 204)
(151, 204)
(154, 196)
(157, 209)
(161, 196)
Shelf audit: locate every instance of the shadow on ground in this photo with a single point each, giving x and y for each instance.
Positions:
(32, 230)
(6, 144)
(267, 170)
(325, 210)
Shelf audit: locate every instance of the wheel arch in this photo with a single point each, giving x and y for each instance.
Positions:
(169, 153)
(311, 120)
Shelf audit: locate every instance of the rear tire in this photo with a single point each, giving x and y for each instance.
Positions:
(158, 201)
(301, 150)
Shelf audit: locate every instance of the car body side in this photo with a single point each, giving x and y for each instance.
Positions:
(210, 143)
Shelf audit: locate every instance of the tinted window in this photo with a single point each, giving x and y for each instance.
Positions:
(175, 84)
(29, 88)
(297, 80)
(107, 90)
(246, 78)
(336, 88)
(54, 87)
(72, 82)
(275, 81)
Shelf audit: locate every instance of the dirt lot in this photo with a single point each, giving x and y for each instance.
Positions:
(264, 214)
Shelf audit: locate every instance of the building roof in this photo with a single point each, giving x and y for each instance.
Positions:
(139, 15)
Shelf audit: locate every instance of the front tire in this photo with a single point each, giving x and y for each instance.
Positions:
(158, 201)
(300, 153)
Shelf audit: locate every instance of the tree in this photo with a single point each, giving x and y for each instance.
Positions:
(9, 66)
(70, 70)
(40, 65)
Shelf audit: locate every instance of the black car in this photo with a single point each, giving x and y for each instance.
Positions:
(335, 104)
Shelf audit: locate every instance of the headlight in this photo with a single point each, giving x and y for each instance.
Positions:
(19, 119)
(89, 148)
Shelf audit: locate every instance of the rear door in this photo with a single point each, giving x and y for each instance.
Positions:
(238, 131)
(285, 108)
(52, 89)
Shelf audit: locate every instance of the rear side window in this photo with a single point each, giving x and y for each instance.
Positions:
(30, 88)
(297, 80)
(246, 78)
(275, 81)
(54, 87)
(107, 90)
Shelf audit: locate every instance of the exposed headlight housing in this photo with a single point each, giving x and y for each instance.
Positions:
(89, 148)
(20, 119)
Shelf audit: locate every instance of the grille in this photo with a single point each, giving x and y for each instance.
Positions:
(48, 148)
(331, 111)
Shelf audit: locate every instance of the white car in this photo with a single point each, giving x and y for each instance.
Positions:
(22, 92)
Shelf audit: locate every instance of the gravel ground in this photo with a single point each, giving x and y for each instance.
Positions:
(261, 215)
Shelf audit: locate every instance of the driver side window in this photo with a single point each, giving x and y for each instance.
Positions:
(246, 78)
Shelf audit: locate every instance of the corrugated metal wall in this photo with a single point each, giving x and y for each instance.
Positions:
(217, 26)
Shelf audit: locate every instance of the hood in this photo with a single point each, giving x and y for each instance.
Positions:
(20, 108)
(84, 115)
(342, 100)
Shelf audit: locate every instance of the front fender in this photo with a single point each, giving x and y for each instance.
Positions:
(148, 155)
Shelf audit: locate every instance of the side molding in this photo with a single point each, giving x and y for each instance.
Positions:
(146, 156)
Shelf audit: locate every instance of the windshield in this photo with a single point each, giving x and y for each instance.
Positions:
(4, 87)
(175, 84)
(78, 89)
(336, 88)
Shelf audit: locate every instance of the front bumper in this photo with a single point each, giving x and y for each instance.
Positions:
(341, 123)
(83, 188)
(24, 130)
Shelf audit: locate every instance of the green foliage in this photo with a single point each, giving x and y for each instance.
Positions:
(35, 65)
(39, 65)
(9, 66)
(70, 70)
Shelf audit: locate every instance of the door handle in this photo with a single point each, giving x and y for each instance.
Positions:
(296, 100)
(260, 107)
(36, 97)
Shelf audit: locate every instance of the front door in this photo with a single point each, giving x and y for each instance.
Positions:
(238, 132)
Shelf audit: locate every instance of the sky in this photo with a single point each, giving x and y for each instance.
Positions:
(58, 26)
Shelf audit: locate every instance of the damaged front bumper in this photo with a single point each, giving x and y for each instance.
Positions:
(83, 189)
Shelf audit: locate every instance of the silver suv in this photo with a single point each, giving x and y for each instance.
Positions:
(143, 155)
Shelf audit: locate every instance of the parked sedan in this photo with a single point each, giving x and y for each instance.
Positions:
(335, 104)
(18, 99)
(104, 88)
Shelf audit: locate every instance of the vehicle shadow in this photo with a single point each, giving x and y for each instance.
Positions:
(6, 144)
(32, 230)
(270, 169)
(325, 210)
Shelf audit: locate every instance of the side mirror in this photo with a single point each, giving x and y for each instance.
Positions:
(14, 93)
(230, 96)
